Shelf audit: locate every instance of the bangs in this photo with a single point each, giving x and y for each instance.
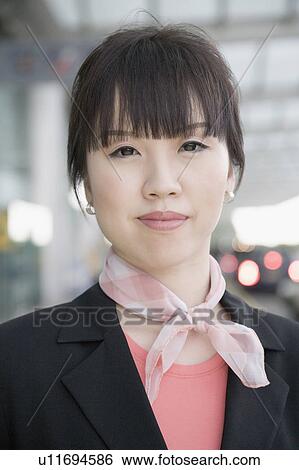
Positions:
(155, 91)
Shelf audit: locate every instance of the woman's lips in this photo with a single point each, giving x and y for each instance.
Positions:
(163, 215)
(163, 225)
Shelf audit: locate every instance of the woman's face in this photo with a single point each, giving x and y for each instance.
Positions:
(146, 175)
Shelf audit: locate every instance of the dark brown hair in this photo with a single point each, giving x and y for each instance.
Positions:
(158, 72)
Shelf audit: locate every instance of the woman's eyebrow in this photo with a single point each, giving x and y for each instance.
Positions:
(191, 127)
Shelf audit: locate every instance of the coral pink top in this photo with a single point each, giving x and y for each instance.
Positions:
(191, 402)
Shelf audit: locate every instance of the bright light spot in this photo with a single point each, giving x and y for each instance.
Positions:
(240, 247)
(26, 221)
(248, 273)
(228, 263)
(293, 270)
(273, 260)
(268, 225)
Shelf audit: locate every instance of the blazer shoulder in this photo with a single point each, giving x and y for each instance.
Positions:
(279, 321)
(38, 327)
(286, 329)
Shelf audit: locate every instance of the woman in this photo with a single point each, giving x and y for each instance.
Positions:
(157, 354)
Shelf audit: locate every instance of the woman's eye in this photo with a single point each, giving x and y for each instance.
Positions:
(192, 146)
(122, 152)
(126, 151)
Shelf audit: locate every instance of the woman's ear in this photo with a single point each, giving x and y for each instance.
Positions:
(88, 193)
(231, 178)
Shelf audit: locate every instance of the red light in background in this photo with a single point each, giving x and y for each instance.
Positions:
(293, 270)
(228, 263)
(248, 273)
(273, 260)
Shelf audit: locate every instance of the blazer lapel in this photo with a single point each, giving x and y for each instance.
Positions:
(108, 389)
(106, 385)
(253, 415)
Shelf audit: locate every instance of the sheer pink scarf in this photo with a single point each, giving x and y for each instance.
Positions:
(135, 289)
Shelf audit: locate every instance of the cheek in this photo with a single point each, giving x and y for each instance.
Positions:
(113, 199)
(105, 184)
(208, 182)
(106, 202)
(207, 186)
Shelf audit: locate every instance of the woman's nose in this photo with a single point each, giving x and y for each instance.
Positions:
(161, 181)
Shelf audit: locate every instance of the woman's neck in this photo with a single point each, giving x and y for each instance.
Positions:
(190, 281)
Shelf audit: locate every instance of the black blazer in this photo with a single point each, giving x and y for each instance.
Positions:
(77, 387)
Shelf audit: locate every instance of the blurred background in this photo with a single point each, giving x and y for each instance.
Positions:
(48, 252)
